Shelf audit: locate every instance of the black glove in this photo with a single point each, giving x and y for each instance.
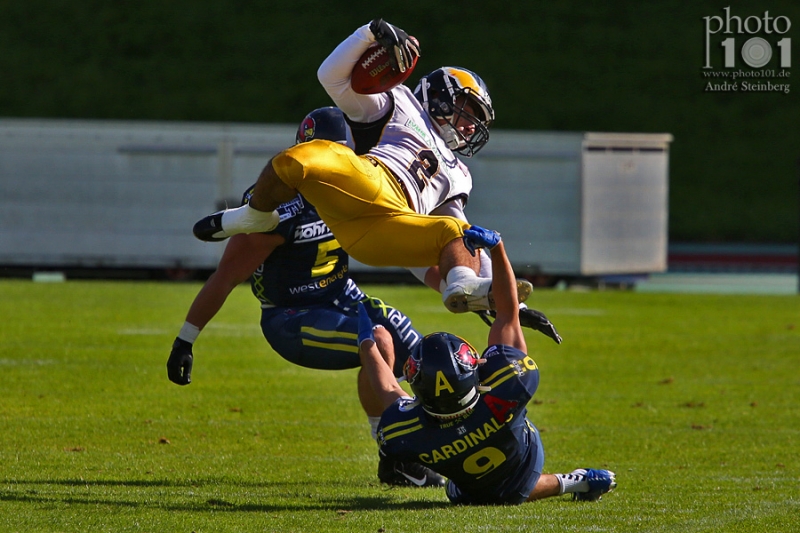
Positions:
(179, 364)
(402, 49)
(528, 318)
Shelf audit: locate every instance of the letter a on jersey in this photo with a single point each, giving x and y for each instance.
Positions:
(499, 407)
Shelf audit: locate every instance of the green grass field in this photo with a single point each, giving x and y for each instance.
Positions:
(693, 400)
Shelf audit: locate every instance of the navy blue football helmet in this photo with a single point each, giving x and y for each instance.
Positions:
(443, 374)
(443, 94)
(323, 123)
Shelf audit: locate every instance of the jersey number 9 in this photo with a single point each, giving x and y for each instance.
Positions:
(483, 461)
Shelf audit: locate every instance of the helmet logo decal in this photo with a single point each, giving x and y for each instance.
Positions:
(411, 369)
(465, 356)
(442, 384)
(306, 131)
(466, 80)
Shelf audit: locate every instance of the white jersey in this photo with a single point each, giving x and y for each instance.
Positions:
(408, 143)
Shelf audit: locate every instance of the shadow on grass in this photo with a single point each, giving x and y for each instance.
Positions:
(283, 491)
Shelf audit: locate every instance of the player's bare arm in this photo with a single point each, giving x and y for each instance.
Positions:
(506, 328)
(378, 371)
(242, 255)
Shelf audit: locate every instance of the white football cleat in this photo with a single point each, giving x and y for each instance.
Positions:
(475, 294)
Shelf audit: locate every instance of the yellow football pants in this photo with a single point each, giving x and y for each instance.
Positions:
(364, 206)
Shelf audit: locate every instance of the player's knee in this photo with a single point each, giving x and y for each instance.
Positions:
(285, 168)
(271, 190)
(452, 232)
(382, 337)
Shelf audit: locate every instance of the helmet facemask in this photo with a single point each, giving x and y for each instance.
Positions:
(467, 146)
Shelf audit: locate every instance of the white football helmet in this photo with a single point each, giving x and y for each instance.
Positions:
(439, 93)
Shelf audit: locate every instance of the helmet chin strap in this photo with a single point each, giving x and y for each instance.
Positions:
(446, 130)
(451, 136)
(471, 399)
(468, 399)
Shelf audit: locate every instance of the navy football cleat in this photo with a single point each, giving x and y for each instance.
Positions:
(600, 482)
(209, 229)
(407, 474)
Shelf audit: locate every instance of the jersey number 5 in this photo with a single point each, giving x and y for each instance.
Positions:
(326, 261)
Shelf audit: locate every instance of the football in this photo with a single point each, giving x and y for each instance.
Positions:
(373, 73)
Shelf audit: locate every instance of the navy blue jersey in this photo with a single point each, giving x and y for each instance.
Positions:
(310, 267)
(309, 303)
(493, 455)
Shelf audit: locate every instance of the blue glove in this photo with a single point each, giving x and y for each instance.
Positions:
(477, 237)
(364, 325)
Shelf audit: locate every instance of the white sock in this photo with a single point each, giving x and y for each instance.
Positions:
(463, 279)
(245, 219)
(573, 482)
(373, 425)
(461, 275)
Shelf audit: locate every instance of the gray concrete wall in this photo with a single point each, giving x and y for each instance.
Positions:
(126, 194)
